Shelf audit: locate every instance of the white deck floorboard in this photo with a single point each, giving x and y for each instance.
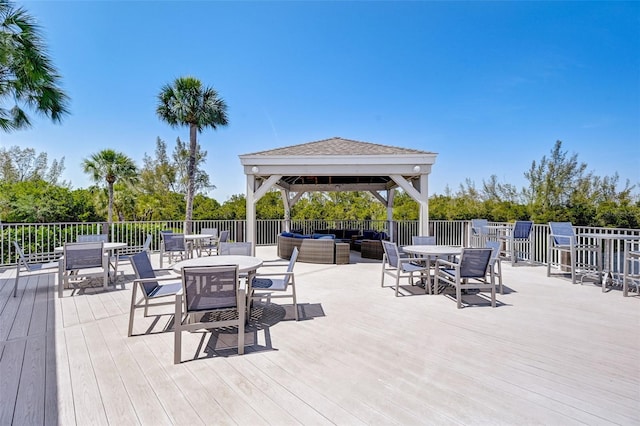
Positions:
(551, 353)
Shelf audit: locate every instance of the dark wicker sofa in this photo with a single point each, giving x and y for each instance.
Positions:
(311, 250)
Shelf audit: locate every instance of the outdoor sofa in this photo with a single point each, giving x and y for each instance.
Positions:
(312, 250)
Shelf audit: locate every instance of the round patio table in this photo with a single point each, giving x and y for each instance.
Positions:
(245, 264)
(429, 251)
(197, 241)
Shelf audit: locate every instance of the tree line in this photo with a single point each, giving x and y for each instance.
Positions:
(559, 188)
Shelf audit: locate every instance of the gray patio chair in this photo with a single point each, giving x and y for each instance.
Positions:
(82, 256)
(263, 284)
(236, 249)
(631, 275)
(215, 295)
(151, 286)
(520, 241)
(172, 246)
(562, 239)
(469, 273)
(399, 267)
(210, 244)
(424, 240)
(479, 232)
(31, 263)
(125, 255)
(495, 265)
(88, 238)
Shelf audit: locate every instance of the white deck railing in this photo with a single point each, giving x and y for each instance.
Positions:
(41, 238)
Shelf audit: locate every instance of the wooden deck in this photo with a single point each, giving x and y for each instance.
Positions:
(550, 353)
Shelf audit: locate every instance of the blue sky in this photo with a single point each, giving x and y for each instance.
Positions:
(489, 86)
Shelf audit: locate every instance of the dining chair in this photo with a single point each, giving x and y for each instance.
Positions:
(563, 240)
(495, 264)
(172, 246)
(87, 238)
(210, 244)
(479, 232)
(470, 272)
(519, 243)
(263, 284)
(32, 263)
(125, 255)
(631, 274)
(236, 248)
(398, 267)
(151, 286)
(82, 256)
(215, 295)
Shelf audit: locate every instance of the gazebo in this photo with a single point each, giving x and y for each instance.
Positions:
(338, 164)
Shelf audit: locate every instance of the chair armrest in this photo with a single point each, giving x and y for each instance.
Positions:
(446, 262)
(151, 280)
(274, 274)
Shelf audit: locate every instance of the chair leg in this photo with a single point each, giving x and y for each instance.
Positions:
(132, 311)
(60, 283)
(15, 284)
(397, 282)
(295, 302)
(458, 295)
(241, 321)
(573, 265)
(493, 295)
(177, 331)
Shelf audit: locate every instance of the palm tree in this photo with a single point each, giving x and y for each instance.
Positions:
(27, 76)
(110, 166)
(187, 103)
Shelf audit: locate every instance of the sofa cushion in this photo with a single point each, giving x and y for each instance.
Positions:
(368, 234)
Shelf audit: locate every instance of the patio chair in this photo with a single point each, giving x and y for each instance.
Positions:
(495, 264)
(422, 240)
(82, 256)
(263, 284)
(151, 286)
(236, 249)
(469, 273)
(88, 238)
(126, 254)
(215, 295)
(479, 232)
(562, 240)
(398, 267)
(210, 244)
(172, 246)
(631, 275)
(31, 263)
(520, 241)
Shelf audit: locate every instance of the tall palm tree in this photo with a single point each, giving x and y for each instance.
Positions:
(109, 166)
(27, 76)
(187, 103)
